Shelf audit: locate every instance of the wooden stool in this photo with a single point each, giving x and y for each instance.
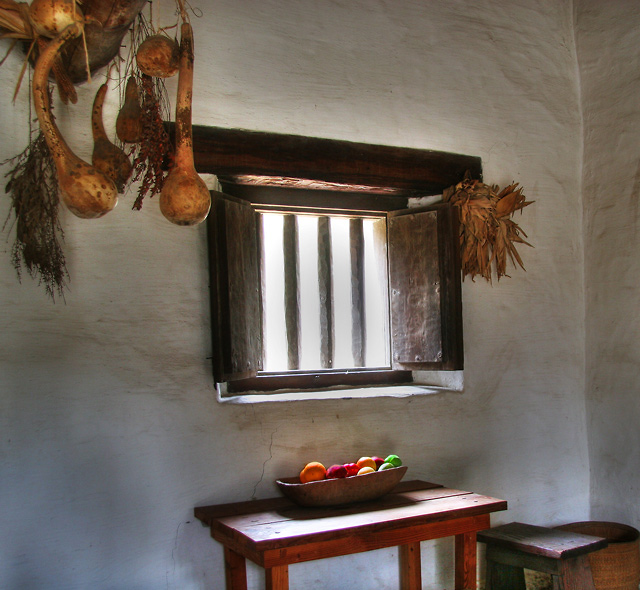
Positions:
(564, 555)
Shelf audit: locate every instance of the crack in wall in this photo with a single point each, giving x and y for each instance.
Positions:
(264, 463)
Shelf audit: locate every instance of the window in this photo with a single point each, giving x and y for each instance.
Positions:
(324, 292)
(358, 299)
(404, 257)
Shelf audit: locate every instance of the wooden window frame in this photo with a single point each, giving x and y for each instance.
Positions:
(294, 172)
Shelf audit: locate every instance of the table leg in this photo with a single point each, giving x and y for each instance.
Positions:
(465, 558)
(277, 577)
(235, 568)
(410, 567)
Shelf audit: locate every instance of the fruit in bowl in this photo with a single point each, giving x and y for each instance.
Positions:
(352, 469)
(367, 485)
(313, 471)
(366, 462)
(336, 471)
(394, 460)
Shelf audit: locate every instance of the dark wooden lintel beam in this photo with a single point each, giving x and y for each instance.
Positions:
(232, 153)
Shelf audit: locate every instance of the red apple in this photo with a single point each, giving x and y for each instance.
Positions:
(379, 461)
(336, 471)
(352, 469)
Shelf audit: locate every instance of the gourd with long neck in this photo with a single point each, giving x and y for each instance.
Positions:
(107, 157)
(129, 120)
(184, 199)
(85, 190)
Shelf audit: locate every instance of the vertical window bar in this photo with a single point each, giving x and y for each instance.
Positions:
(358, 331)
(291, 291)
(325, 284)
(262, 287)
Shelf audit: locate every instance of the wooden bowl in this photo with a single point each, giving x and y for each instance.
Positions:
(345, 490)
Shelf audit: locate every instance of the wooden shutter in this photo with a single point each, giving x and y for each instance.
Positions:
(236, 305)
(424, 289)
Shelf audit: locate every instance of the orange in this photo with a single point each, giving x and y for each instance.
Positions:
(366, 462)
(313, 471)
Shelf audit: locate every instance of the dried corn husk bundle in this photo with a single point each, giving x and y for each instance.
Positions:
(487, 233)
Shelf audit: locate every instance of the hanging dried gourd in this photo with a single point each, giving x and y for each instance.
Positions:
(50, 17)
(107, 157)
(129, 121)
(158, 56)
(86, 191)
(185, 199)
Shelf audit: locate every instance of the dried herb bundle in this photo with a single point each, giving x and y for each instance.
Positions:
(487, 233)
(155, 151)
(33, 187)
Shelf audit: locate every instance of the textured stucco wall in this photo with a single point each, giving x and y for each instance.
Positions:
(110, 428)
(607, 36)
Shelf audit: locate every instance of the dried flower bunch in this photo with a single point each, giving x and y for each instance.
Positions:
(487, 233)
(34, 198)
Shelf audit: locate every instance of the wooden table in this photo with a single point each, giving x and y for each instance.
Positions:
(275, 533)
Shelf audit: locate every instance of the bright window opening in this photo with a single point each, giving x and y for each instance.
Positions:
(325, 285)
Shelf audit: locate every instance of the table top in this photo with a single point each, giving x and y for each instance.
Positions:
(277, 522)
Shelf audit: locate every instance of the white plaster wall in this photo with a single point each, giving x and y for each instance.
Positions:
(607, 36)
(110, 428)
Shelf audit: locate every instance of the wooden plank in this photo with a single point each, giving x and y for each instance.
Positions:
(515, 558)
(356, 542)
(275, 510)
(325, 286)
(358, 331)
(208, 514)
(323, 514)
(410, 566)
(450, 289)
(465, 561)
(360, 542)
(318, 200)
(416, 325)
(218, 292)
(235, 568)
(538, 540)
(575, 574)
(236, 152)
(291, 290)
(236, 298)
(277, 578)
(280, 533)
(308, 380)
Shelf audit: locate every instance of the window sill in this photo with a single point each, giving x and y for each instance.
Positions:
(454, 384)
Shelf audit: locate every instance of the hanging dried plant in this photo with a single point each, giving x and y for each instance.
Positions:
(155, 151)
(33, 186)
(487, 233)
